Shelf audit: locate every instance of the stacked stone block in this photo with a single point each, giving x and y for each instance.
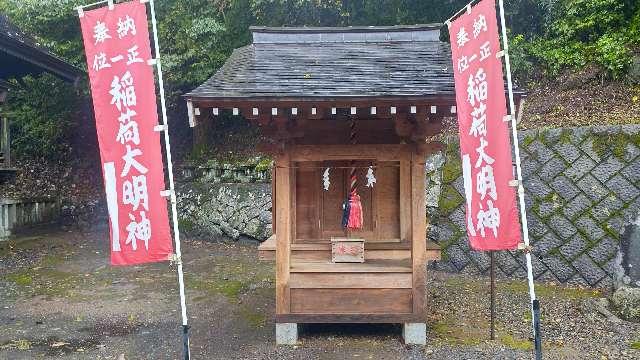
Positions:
(582, 188)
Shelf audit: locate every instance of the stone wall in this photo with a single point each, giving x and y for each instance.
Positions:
(254, 170)
(238, 211)
(16, 214)
(582, 191)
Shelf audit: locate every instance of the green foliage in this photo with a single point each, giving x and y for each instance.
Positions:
(582, 32)
(612, 53)
(520, 59)
(197, 36)
(40, 110)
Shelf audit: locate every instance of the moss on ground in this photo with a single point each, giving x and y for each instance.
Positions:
(212, 286)
(515, 343)
(255, 319)
(549, 290)
(229, 277)
(186, 224)
(521, 286)
(20, 278)
(45, 280)
(11, 246)
(635, 344)
(450, 333)
(20, 344)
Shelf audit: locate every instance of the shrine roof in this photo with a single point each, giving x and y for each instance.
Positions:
(20, 55)
(335, 63)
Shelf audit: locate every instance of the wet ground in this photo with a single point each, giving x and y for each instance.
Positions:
(59, 298)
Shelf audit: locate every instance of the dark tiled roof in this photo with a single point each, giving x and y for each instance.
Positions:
(20, 55)
(335, 63)
(9, 30)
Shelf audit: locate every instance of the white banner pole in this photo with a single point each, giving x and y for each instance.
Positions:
(174, 210)
(523, 210)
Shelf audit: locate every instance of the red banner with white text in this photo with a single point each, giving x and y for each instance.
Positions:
(118, 54)
(491, 211)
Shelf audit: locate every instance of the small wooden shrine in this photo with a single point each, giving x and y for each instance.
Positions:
(347, 113)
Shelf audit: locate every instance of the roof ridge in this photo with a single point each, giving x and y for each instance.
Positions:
(372, 28)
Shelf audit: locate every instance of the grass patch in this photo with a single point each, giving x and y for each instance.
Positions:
(228, 288)
(21, 344)
(635, 345)
(453, 335)
(30, 243)
(515, 343)
(20, 279)
(45, 280)
(255, 319)
(458, 282)
(548, 290)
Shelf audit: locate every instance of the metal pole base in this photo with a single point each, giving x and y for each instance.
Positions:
(185, 342)
(537, 340)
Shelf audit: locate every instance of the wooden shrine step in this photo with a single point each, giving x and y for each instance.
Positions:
(371, 266)
(373, 250)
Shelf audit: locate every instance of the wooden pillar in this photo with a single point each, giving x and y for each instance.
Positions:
(406, 232)
(5, 140)
(283, 205)
(419, 231)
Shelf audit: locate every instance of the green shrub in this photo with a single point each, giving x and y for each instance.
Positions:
(581, 32)
(612, 53)
(40, 112)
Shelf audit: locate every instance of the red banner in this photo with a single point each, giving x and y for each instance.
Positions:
(491, 211)
(118, 52)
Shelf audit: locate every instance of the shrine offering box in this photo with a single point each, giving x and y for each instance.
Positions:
(345, 250)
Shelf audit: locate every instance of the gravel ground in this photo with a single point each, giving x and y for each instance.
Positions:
(59, 298)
